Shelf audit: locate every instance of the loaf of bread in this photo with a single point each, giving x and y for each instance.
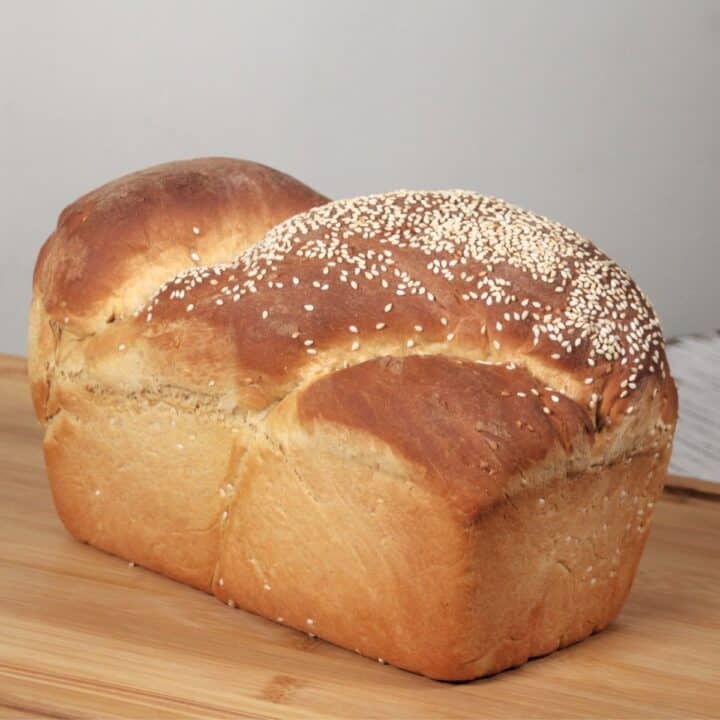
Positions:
(429, 427)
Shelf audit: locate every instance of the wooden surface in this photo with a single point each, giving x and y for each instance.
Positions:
(82, 634)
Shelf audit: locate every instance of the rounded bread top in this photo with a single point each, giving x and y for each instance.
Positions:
(115, 245)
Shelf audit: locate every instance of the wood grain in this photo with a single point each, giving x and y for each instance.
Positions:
(85, 635)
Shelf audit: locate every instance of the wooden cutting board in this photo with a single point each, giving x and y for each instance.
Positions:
(82, 634)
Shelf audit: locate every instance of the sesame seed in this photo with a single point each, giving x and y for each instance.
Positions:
(265, 314)
(194, 256)
(388, 307)
(355, 345)
(189, 307)
(418, 328)
(380, 326)
(121, 346)
(410, 343)
(310, 621)
(308, 307)
(450, 337)
(267, 587)
(196, 230)
(352, 328)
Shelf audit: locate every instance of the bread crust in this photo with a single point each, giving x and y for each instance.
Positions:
(430, 427)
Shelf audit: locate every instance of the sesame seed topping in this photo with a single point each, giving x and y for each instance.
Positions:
(480, 251)
(355, 345)
(380, 326)
(352, 328)
(410, 343)
(122, 346)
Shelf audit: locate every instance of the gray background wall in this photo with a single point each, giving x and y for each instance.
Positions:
(604, 115)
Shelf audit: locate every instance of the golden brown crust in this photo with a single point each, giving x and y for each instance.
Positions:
(473, 428)
(333, 532)
(115, 245)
